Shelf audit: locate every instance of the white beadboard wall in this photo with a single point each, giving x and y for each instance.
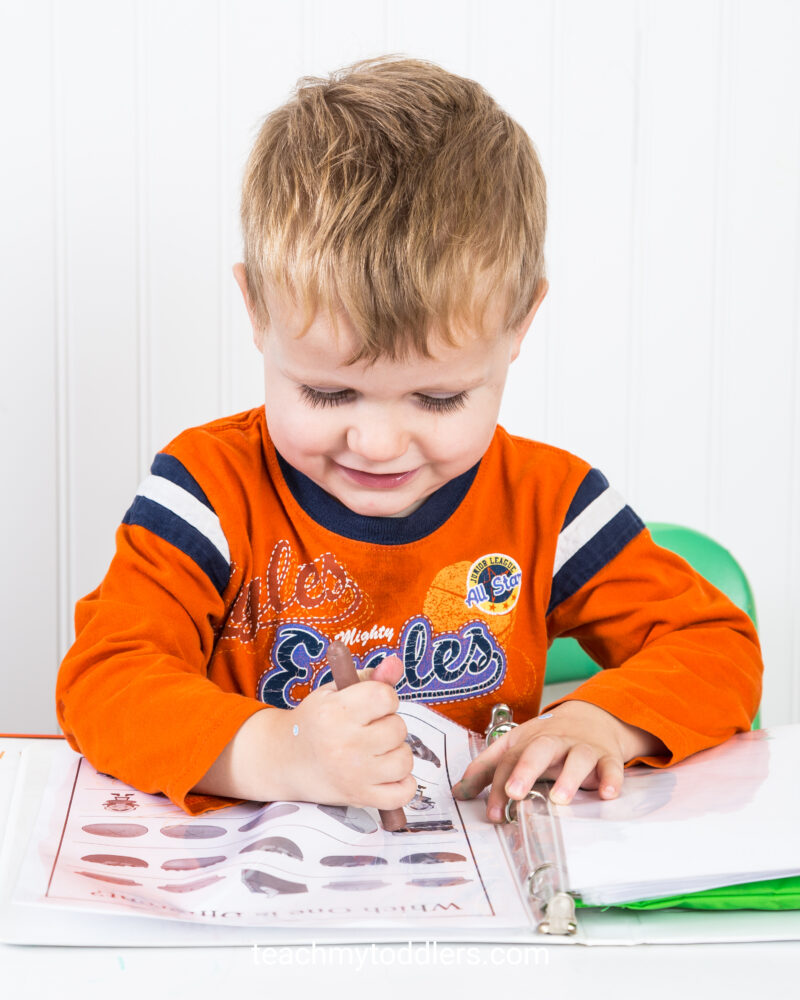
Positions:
(666, 352)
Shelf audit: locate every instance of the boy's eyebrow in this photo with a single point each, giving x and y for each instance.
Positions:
(462, 387)
(318, 382)
(337, 384)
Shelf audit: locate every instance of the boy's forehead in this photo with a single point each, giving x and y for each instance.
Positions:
(315, 338)
(322, 357)
(310, 333)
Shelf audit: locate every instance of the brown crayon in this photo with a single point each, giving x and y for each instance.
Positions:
(344, 674)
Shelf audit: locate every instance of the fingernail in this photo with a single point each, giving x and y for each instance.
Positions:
(609, 790)
(494, 813)
(559, 797)
(461, 789)
(514, 789)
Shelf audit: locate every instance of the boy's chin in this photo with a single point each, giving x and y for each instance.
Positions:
(381, 506)
(377, 503)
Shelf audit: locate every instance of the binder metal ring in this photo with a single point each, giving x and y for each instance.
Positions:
(500, 723)
(511, 805)
(544, 882)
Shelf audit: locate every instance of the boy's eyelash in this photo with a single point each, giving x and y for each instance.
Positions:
(434, 404)
(443, 404)
(316, 398)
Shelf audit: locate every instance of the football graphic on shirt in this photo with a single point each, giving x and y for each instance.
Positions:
(446, 607)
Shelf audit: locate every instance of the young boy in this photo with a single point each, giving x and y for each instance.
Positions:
(394, 224)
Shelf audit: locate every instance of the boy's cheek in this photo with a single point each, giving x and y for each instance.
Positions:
(298, 435)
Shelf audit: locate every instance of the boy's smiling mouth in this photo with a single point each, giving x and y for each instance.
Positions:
(377, 480)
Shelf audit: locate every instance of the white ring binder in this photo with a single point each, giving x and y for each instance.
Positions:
(537, 849)
(540, 859)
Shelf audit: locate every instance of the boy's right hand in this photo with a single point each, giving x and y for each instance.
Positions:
(349, 747)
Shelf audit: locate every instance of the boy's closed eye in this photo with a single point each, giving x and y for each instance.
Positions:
(435, 404)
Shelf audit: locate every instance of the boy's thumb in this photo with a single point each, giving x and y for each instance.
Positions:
(388, 671)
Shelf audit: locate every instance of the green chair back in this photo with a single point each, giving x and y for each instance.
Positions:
(566, 661)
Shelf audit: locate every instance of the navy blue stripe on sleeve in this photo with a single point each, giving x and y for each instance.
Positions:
(170, 468)
(174, 529)
(593, 484)
(596, 553)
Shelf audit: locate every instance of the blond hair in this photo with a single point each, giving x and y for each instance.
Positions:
(397, 192)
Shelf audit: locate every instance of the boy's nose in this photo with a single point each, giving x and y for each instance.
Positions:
(377, 438)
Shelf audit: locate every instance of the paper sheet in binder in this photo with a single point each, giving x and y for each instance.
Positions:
(719, 817)
(102, 846)
(724, 816)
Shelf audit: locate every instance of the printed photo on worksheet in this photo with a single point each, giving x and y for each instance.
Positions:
(101, 844)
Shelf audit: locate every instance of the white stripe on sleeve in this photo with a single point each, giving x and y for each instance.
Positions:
(586, 525)
(187, 507)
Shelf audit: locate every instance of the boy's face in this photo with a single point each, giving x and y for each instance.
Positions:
(381, 437)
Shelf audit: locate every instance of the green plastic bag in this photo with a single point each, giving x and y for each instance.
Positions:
(772, 894)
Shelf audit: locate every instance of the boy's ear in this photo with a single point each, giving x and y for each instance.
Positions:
(240, 275)
(522, 329)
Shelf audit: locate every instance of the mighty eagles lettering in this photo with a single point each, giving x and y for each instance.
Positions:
(440, 667)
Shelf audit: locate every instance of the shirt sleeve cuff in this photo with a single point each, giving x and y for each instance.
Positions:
(207, 749)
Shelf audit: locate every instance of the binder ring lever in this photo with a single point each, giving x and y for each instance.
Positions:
(542, 856)
(500, 723)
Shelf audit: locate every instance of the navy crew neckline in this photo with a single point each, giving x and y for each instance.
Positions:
(331, 514)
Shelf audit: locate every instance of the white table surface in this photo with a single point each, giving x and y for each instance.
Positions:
(392, 971)
(410, 971)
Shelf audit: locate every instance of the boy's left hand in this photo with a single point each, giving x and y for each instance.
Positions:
(576, 743)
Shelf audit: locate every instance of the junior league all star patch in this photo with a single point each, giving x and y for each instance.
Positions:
(493, 584)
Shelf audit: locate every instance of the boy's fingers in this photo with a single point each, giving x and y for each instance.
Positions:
(479, 773)
(388, 671)
(515, 777)
(579, 762)
(368, 702)
(496, 802)
(534, 760)
(388, 735)
(610, 775)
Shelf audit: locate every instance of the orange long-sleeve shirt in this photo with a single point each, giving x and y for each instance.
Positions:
(233, 572)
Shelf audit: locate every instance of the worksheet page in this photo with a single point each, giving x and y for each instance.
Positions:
(726, 815)
(102, 845)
